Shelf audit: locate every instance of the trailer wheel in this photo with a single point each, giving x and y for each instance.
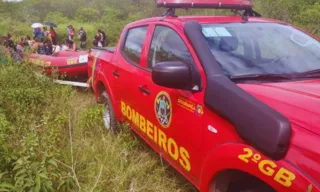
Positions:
(109, 117)
(235, 181)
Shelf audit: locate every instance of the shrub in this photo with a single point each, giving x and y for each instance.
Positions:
(56, 17)
(87, 14)
(30, 130)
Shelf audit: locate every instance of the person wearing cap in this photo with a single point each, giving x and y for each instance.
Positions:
(83, 38)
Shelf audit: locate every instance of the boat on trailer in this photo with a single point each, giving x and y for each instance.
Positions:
(71, 64)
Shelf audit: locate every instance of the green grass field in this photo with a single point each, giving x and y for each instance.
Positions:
(52, 138)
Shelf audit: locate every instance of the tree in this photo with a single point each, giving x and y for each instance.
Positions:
(87, 14)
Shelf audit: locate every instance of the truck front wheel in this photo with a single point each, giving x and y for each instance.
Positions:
(109, 117)
(235, 181)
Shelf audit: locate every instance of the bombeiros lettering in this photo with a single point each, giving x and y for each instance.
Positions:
(169, 145)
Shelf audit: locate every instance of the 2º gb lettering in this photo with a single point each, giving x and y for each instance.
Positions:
(268, 167)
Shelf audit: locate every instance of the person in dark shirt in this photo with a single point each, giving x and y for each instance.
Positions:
(48, 47)
(83, 38)
(41, 48)
(24, 42)
(96, 41)
(103, 37)
(10, 42)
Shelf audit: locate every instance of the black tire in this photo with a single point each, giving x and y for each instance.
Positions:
(225, 183)
(109, 117)
(249, 186)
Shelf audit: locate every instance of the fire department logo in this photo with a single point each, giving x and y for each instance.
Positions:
(163, 109)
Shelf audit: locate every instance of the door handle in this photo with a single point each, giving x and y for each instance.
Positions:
(144, 90)
(116, 74)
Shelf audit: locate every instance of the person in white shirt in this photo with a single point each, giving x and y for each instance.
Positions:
(64, 47)
(56, 49)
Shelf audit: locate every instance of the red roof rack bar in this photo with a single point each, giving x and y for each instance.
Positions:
(206, 4)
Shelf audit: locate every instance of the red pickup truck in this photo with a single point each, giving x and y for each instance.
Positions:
(231, 102)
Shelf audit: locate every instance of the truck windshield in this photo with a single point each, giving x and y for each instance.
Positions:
(244, 49)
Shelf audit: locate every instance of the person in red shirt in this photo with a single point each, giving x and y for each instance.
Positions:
(53, 35)
(9, 37)
(21, 42)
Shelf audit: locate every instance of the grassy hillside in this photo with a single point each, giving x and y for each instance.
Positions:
(52, 138)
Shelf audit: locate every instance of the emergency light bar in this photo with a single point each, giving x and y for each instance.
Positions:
(206, 4)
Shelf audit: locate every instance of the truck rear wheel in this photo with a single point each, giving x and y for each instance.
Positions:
(109, 117)
(238, 182)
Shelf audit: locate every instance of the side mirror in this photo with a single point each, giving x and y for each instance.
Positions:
(172, 74)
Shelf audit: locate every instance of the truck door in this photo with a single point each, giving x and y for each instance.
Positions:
(175, 114)
(126, 73)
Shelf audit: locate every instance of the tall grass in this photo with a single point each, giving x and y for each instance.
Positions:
(52, 138)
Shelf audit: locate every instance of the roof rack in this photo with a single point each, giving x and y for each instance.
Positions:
(234, 5)
(169, 12)
(251, 13)
(218, 4)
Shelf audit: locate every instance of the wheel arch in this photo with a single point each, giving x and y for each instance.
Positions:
(103, 85)
(226, 176)
(224, 158)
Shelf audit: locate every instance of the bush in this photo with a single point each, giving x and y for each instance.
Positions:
(309, 19)
(87, 14)
(56, 17)
(30, 131)
(16, 28)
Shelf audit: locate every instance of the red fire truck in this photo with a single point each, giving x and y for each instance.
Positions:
(231, 102)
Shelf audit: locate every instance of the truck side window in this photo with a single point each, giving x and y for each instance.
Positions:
(167, 45)
(133, 44)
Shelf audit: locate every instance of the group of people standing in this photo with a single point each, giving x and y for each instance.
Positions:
(45, 34)
(81, 34)
(14, 49)
(44, 41)
(100, 39)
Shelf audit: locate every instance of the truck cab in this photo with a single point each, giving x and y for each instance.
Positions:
(229, 101)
